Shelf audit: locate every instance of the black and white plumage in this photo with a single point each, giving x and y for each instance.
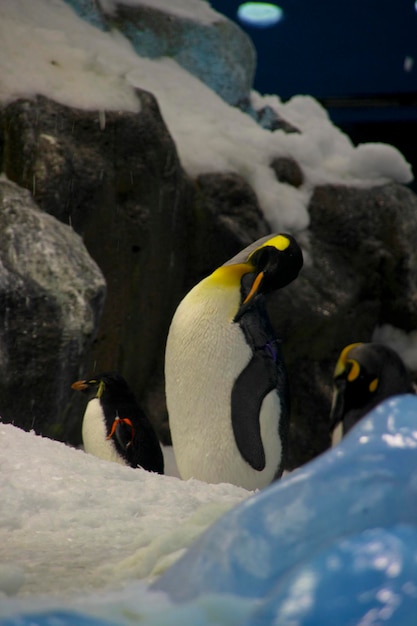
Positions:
(365, 375)
(114, 426)
(226, 383)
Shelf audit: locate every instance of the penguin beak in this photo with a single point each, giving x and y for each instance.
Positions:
(254, 289)
(250, 297)
(79, 385)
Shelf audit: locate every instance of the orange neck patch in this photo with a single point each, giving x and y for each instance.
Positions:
(115, 424)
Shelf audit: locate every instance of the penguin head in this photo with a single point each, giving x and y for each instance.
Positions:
(365, 375)
(266, 265)
(275, 263)
(103, 384)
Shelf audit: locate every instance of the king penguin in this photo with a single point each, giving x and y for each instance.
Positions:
(114, 427)
(365, 375)
(226, 382)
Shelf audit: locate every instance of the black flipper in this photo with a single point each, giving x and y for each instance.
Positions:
(252, 385)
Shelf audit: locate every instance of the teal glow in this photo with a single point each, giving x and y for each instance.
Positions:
(261, 14)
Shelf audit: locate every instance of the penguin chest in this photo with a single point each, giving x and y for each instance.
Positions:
(94, 433)
(205, 354)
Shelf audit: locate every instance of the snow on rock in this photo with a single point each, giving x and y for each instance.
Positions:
(373, 160)
(46, 48)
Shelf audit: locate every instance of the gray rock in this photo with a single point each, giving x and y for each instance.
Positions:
(116, 178)
(51, 296)
(288, 171)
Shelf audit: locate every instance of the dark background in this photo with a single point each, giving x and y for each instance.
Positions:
(351, 56)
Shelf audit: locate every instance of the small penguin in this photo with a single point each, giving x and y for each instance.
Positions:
(114, 427)
(365, 375)
(226, 382)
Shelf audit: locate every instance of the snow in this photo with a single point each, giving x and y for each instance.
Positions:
(72, 522)
(46, 48)
(75, 531)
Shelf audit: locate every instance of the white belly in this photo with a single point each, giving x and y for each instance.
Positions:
(94, 434)
(205, 353)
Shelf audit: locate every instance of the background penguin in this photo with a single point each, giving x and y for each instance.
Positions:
(226, 383)
(365, 375)
(114, 427)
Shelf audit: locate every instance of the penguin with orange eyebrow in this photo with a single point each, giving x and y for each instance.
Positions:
(365, 375)
(114, 426)
(225, 378)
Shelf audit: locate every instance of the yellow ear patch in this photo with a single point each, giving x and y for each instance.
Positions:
(373, 385)
(354, 371)
(228, 275)
(281, 242)
(345, 351)
(342, 360)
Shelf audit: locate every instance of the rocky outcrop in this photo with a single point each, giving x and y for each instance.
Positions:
(203, 42)
(51, 294)
(117, 180)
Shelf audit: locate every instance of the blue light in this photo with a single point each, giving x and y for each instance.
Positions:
(260, 14)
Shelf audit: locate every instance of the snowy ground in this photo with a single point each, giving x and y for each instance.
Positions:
(79, 532)
(71, 522)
